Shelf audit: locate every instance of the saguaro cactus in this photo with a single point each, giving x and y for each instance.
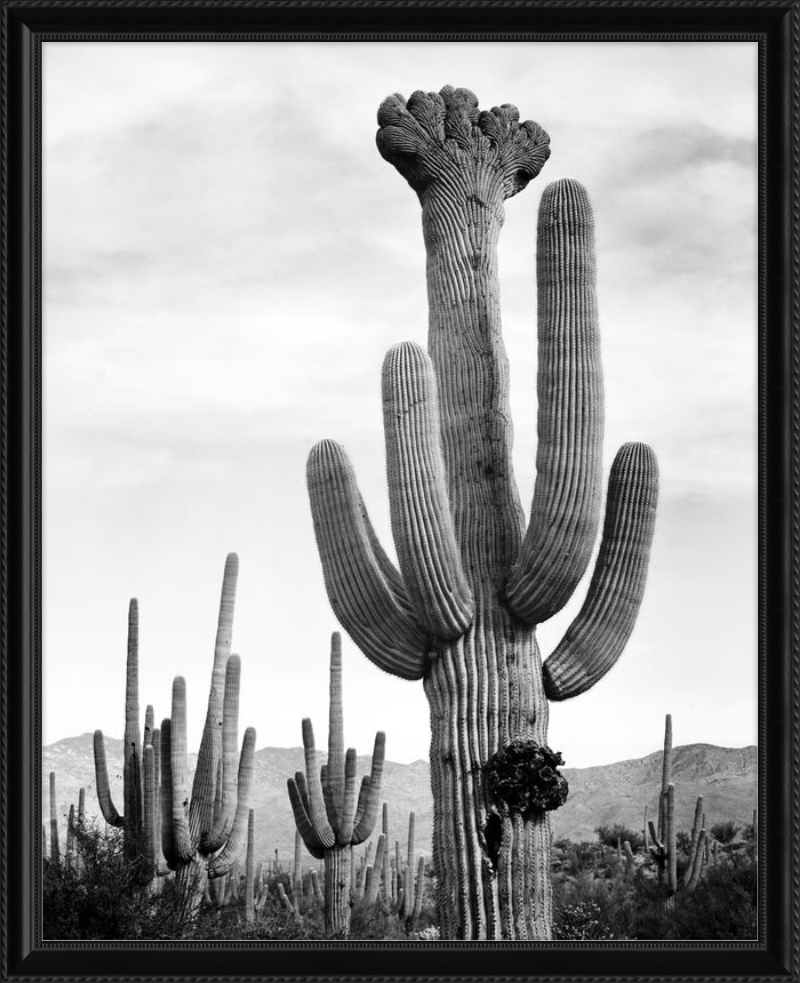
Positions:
(132, 820)
(194, 858)
(204, 833)
(473, 583)
(329, 816)
(55, 851)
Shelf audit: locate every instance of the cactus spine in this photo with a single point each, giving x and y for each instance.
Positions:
(329, 815)
(461, 611)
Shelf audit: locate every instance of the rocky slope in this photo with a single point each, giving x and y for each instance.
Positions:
(604, 795)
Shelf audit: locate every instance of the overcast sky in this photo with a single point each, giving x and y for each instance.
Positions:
(227, 258)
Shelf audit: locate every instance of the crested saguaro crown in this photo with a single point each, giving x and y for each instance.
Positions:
(474, 579)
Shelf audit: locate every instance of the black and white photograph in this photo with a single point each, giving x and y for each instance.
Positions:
(399, 491)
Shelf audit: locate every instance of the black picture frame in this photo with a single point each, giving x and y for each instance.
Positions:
(775, 25)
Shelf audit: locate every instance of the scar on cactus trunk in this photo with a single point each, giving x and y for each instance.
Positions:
(474, 581)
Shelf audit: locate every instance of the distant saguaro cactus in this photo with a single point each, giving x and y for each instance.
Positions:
(330, 816)
(664, 845)
(55, 851)
(473, 583)
(132, 819)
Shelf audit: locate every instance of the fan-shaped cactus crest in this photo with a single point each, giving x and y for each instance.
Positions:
(473, 580)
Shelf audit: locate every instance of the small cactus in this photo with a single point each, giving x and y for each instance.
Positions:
(330, 816)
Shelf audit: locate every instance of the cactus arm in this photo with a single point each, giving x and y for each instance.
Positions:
(387, 868)
(335, 779)
(302, 788)
(666, 774)
(149, 723)
(226, 790)
(429, 557)
(249, 870)
(373, 872)
(319, 896)
(327, 794)
(345, 832)
(156, 741)
(297, 869)
(182, 844)
(411, 864)
(68, 849)
(110, 814)
(366, 823)
(696, 827)
(303, 822)
(363, 796)
(671, 843)
(595, 639)
(566, 500)
(697, 863)
(287, 904)
(55, 852)
(236, 841)
(366, 601)
(166, 795)
(317, 813)
(418, 893)
(132, 762)
(656, 840)
(201, 812)
(149, 810)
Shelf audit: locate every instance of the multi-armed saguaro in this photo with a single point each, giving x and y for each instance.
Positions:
(203, 834)
(473, 583)
(329, 816)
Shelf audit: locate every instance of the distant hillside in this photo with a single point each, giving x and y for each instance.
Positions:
(605, 794)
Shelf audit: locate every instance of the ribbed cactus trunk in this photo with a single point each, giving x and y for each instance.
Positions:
(493, 868)
(337, 889)
(473, 582)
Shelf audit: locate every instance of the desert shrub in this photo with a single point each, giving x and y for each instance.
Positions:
(592, 906)
(104, 897)
(581, 922)
(723, 907)
(724, 832)
(609, 834)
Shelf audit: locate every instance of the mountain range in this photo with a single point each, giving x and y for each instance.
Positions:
(601, 795)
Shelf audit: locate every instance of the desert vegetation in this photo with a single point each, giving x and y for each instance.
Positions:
(459, 612)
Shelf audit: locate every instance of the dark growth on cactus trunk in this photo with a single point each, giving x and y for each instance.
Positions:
(524, 775)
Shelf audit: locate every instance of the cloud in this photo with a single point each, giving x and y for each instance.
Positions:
(227, 259)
